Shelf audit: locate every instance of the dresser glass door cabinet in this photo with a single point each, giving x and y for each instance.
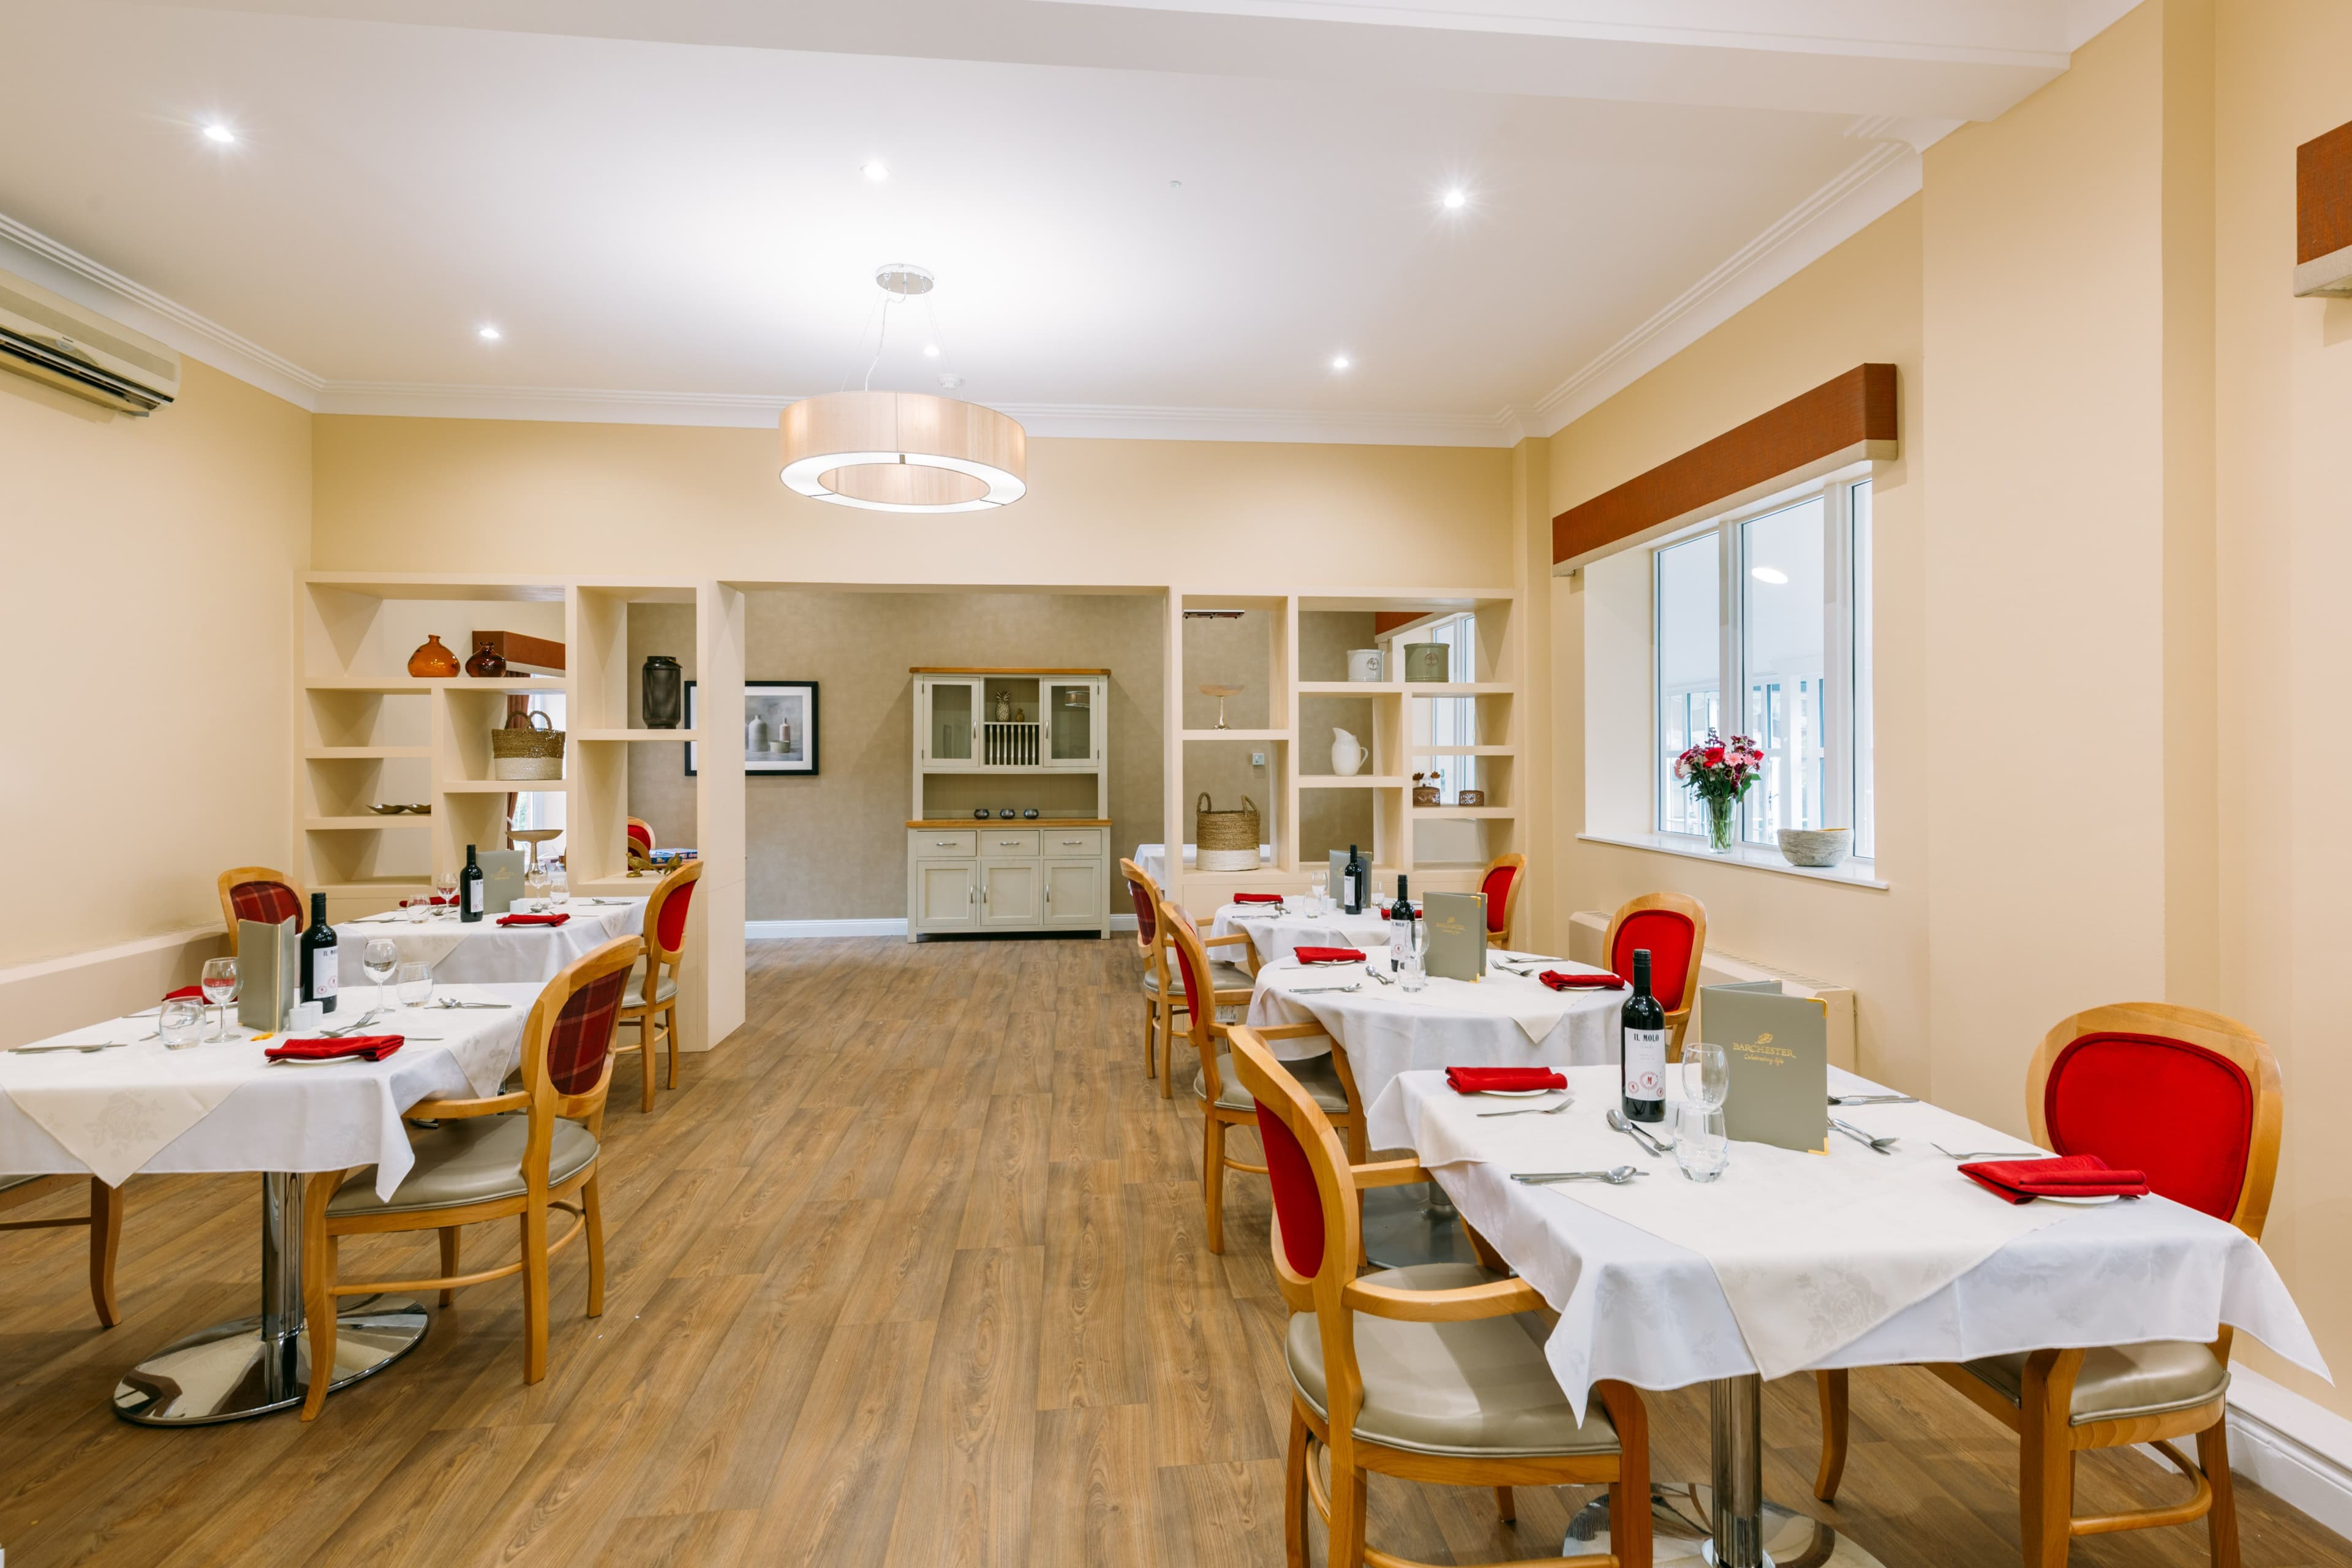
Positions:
(1072, 720)
(948, 711)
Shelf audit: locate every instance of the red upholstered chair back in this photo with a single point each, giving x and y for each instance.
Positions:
(1673, 926)
(567, 1044)
(667, 908)
(642, 832)
(1497, 889)
(1307, 1165)
(1192, 964)
(258, 893)
(2193, 1098)
(1146, 894)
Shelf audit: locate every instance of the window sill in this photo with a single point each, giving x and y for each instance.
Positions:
(1852, 873)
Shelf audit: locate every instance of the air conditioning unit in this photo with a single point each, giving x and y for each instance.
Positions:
(49, 338)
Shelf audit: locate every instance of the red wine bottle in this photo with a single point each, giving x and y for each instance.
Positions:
(321, 975)
(470, 890)
(1642, 1057)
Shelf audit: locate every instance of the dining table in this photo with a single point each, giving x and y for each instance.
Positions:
(1791, 1261)
(1507, 1018)
(1278, 930)
(483, 951)
(110, 1100)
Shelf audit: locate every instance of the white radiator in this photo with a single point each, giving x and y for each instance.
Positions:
(1587, 928)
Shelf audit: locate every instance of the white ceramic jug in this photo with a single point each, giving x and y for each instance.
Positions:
(1347, 753)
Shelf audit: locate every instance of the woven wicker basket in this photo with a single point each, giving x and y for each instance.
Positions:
(1228, 840)
(536, 753)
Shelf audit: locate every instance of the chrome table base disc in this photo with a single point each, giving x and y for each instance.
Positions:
(230, 1371)
(1682, 1518)
(1412, 1224)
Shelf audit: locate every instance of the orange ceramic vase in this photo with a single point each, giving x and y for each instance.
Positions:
(432, 659)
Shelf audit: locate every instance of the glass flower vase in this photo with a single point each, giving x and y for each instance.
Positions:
(1722, 824)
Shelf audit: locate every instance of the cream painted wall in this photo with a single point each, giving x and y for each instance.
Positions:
(152, 565)
(440, 495)
(2283, 463)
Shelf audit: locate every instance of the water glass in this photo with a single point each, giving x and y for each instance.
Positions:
(181, 1024)
(413, 983)
(1702, 1145)
(1412, 974)
(418, 911)
(219, 983)
(558, 886)
(308, 1018)
(378, 959)
(1706, 1073)
(1318, 903)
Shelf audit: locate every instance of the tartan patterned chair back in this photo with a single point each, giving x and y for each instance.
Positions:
(261, 894)
(568, 1042)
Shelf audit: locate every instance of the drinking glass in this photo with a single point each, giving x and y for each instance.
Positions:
(558, 886)
(1702, 1146)
(1413, 974)
(378, 959)
(445, 887)
(418, 911)
(220, 989)
(534, 890)
(1706, 1073)
(181, 1024)
(413, 983)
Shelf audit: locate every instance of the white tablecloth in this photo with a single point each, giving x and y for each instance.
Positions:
(1864, 1288)
(224, 1108)
(1152, 858)
(1275, 931)
(486, 952)
(1501, 1021)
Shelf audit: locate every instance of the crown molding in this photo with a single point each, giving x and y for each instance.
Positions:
(62, 269)
(1867, 190)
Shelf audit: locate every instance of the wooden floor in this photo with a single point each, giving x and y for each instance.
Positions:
(910, 1271)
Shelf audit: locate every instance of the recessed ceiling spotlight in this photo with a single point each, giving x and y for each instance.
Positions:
(1175, 184)
(876, 170)
(930, 350)
(1456, 199)
(220, 134)
(1341, 361)
(1771, 574)
(490, 334)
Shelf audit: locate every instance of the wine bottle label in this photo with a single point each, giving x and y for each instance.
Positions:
(1645, 1064)
(474, 897)
(326, 974)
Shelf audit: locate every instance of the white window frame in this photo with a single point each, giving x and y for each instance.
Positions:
(1846, 730)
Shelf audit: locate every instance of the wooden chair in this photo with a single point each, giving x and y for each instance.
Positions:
(653, 991)
(1431, 1373)
(484, 1164)
(1224, 1102)
(259, 893)
(1501, 881)
(1159, 1006)
(641, 834)
(1673, 928)
(104, 1219)
(2193, 1098)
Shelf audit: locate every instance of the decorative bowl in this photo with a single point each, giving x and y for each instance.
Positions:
(1816, 846)
(1005, 815)
(1029, 814)
(1470, 797)
(980, 813)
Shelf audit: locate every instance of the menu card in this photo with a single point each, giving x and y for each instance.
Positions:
(1457, 935)
(1337, 888)
(501, 879)
(1778, 1049)
(268, 973)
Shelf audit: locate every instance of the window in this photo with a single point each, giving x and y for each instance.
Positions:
(1774, 606)
(1452, 721)
(543, 808)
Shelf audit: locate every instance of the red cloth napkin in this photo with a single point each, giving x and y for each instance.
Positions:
(533, 920)
(1257, 897)
(1558, 982)
(436, 898)
(188, 993)
(2067, 1176)
(374, 1048)
(1329, 955)
(1486, 1081)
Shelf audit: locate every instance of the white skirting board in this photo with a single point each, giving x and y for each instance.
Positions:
(48, 997)
(794, 930)
(2297, 1451)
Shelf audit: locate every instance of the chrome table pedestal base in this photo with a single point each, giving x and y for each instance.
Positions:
(1413, 1224)
(255, 1366)
(1728, 1524)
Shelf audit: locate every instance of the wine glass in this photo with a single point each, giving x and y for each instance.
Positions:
(378, 959)
(1707, 1073)
(445, 887)
(220, 989)
(559, 885)
(534, 889)
(413, 983)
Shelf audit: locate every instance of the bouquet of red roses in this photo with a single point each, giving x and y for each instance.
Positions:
(1720, 771)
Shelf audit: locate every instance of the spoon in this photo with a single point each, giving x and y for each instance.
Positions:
(1874, 1100)
(1616, 1177)
(1320, 990)
(1534, 1109)
(1878, 1145)
(1639, 1135)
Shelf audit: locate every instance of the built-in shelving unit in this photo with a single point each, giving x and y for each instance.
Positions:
(1441, 847)
(367, 733)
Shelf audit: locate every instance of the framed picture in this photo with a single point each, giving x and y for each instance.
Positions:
(778, 727)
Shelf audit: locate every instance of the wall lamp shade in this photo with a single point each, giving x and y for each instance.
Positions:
(904, 451)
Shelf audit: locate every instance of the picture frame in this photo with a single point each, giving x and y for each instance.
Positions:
(773, 705)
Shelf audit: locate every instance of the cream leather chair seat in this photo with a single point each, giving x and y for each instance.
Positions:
(2119, 1382)
(1315, 1075)
(469, 1161)
(1476, 1389)
(636, 995)
(1223, 976)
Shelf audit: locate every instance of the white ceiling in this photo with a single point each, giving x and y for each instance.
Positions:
(660, 206)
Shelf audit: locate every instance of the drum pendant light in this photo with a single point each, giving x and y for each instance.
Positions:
(903, 451)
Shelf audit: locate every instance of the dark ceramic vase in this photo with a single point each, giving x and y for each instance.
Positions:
(487, 664)
(664, 696)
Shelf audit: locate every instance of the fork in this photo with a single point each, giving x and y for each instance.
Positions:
(1991, 1154)
(1320, 990)
(362, 1022)
(1534, 1110)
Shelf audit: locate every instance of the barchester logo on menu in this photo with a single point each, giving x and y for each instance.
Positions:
(1449, 924)
(1761, 1048)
